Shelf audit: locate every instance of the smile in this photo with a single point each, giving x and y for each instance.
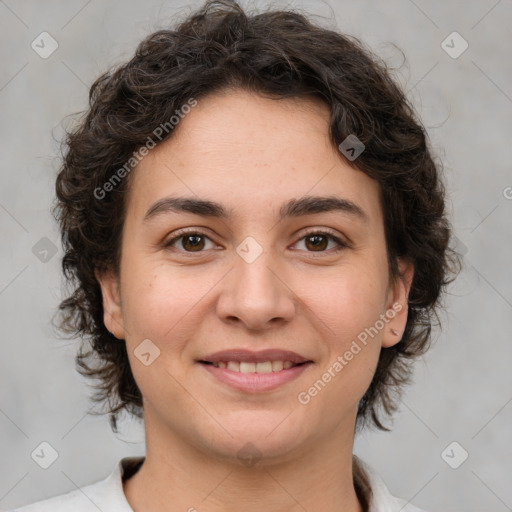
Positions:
(262, 367)
(258, 377)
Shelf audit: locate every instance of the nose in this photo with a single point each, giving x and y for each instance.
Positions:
(256, 294)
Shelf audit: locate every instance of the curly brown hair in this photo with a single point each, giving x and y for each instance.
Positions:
(281, 54)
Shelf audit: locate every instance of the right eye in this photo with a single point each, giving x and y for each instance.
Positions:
(191, 241)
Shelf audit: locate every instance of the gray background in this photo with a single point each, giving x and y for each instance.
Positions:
(462, 390)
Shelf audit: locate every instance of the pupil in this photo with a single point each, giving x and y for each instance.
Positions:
(195, 243)
(316, 243)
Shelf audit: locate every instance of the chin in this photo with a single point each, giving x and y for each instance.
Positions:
(255, 437)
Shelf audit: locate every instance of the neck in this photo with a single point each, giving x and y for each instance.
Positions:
(177, 476)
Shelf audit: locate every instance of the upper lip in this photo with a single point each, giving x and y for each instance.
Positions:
(249, 356)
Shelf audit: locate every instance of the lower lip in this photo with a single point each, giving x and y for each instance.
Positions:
(255, 382)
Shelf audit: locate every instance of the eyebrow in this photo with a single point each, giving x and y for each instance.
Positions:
(307, 205)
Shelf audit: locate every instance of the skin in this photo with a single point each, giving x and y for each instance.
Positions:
(250, 154)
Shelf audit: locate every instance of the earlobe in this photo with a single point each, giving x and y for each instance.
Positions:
(112, 309)
(397, 309)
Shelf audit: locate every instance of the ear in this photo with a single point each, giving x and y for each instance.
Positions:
(112, 308)
(397, 308)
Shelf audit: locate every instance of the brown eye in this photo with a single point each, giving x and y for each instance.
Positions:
(190, 242)
(193, 242)
(316, 242)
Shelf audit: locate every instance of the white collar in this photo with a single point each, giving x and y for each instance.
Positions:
(382, 500)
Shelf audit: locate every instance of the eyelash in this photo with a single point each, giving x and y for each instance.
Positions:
(329, 234)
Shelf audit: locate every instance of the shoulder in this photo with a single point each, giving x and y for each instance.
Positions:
(105, 495)
(381, 499)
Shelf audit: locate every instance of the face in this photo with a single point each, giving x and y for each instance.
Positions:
(278, 270)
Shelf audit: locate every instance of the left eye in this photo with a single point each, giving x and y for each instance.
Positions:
(320, 240)
(196, 241)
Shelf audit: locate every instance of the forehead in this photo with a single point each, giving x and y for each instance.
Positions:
(247, 151)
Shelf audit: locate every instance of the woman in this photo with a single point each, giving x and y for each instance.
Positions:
(256, 232)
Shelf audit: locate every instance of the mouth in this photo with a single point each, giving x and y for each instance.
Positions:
(251, 367)
(254, 372)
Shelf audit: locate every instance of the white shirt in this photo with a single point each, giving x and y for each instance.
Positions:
(108, 496)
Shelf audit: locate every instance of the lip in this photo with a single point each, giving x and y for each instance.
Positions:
(256, 382)
(249, 356)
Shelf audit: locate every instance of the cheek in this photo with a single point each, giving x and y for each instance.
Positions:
(163, 305)
(351, 299)
(351, 306)
(152, 306)
(158, 308)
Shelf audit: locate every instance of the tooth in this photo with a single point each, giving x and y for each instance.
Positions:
(261, 367)
(234, 366)
(247, 367)
(265, 367)
(277, 366)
